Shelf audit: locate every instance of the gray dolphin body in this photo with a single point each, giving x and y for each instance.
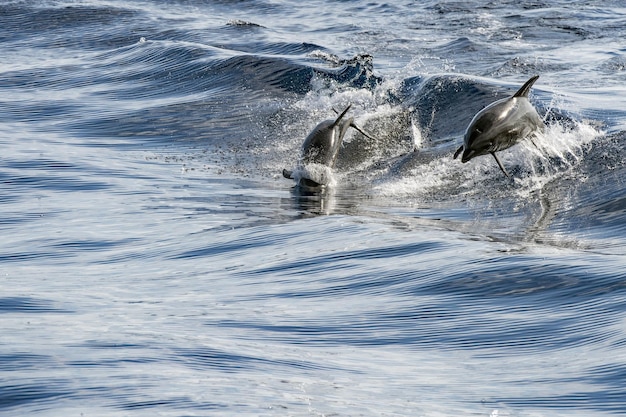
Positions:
(501, 125)
(322, 145)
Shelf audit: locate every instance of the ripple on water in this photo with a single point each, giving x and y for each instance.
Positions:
(32, 395)
(28, 305)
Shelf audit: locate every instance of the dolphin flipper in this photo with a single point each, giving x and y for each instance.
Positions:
(361, 131)
(354, 125)
(525, 89)
(500, 164)
(533, 142)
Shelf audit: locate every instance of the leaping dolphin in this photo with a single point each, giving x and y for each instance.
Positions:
(322, 145)
(501, 125)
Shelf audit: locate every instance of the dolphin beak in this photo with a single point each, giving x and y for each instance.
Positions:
(458, 151)
(467, 155)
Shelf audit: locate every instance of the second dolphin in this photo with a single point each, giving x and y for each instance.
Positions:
(321, 147)
(501, 125)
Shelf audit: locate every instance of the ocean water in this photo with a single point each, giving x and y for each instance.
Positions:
(154, 261)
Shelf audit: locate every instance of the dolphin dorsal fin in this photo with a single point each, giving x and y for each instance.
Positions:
(343, 113)
(523, 92)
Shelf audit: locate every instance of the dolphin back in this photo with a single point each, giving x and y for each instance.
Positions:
(322, 145)
(525, 89)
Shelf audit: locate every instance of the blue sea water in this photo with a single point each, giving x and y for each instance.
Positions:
(154, 261)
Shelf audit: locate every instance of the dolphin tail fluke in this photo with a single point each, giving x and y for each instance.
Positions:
(288, 174)
(458, 152)
(500, 164)
(343, 113)
(525, 89)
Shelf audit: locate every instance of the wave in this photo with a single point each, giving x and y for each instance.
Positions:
(248, 101)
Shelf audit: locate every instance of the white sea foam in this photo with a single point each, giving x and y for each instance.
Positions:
(321, 174)
(558, 150)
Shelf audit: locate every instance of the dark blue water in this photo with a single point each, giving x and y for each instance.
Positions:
(154, 261)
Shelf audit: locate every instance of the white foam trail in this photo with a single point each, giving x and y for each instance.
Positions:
(424, 179)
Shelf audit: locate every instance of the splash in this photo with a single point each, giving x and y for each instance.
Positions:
(556, 151)
(326, 94)
(559, 150)
(319, 173)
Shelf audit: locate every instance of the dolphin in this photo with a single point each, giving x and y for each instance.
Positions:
(501, 125)
(322, 145)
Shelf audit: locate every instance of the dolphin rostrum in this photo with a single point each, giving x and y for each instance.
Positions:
(501, 125)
